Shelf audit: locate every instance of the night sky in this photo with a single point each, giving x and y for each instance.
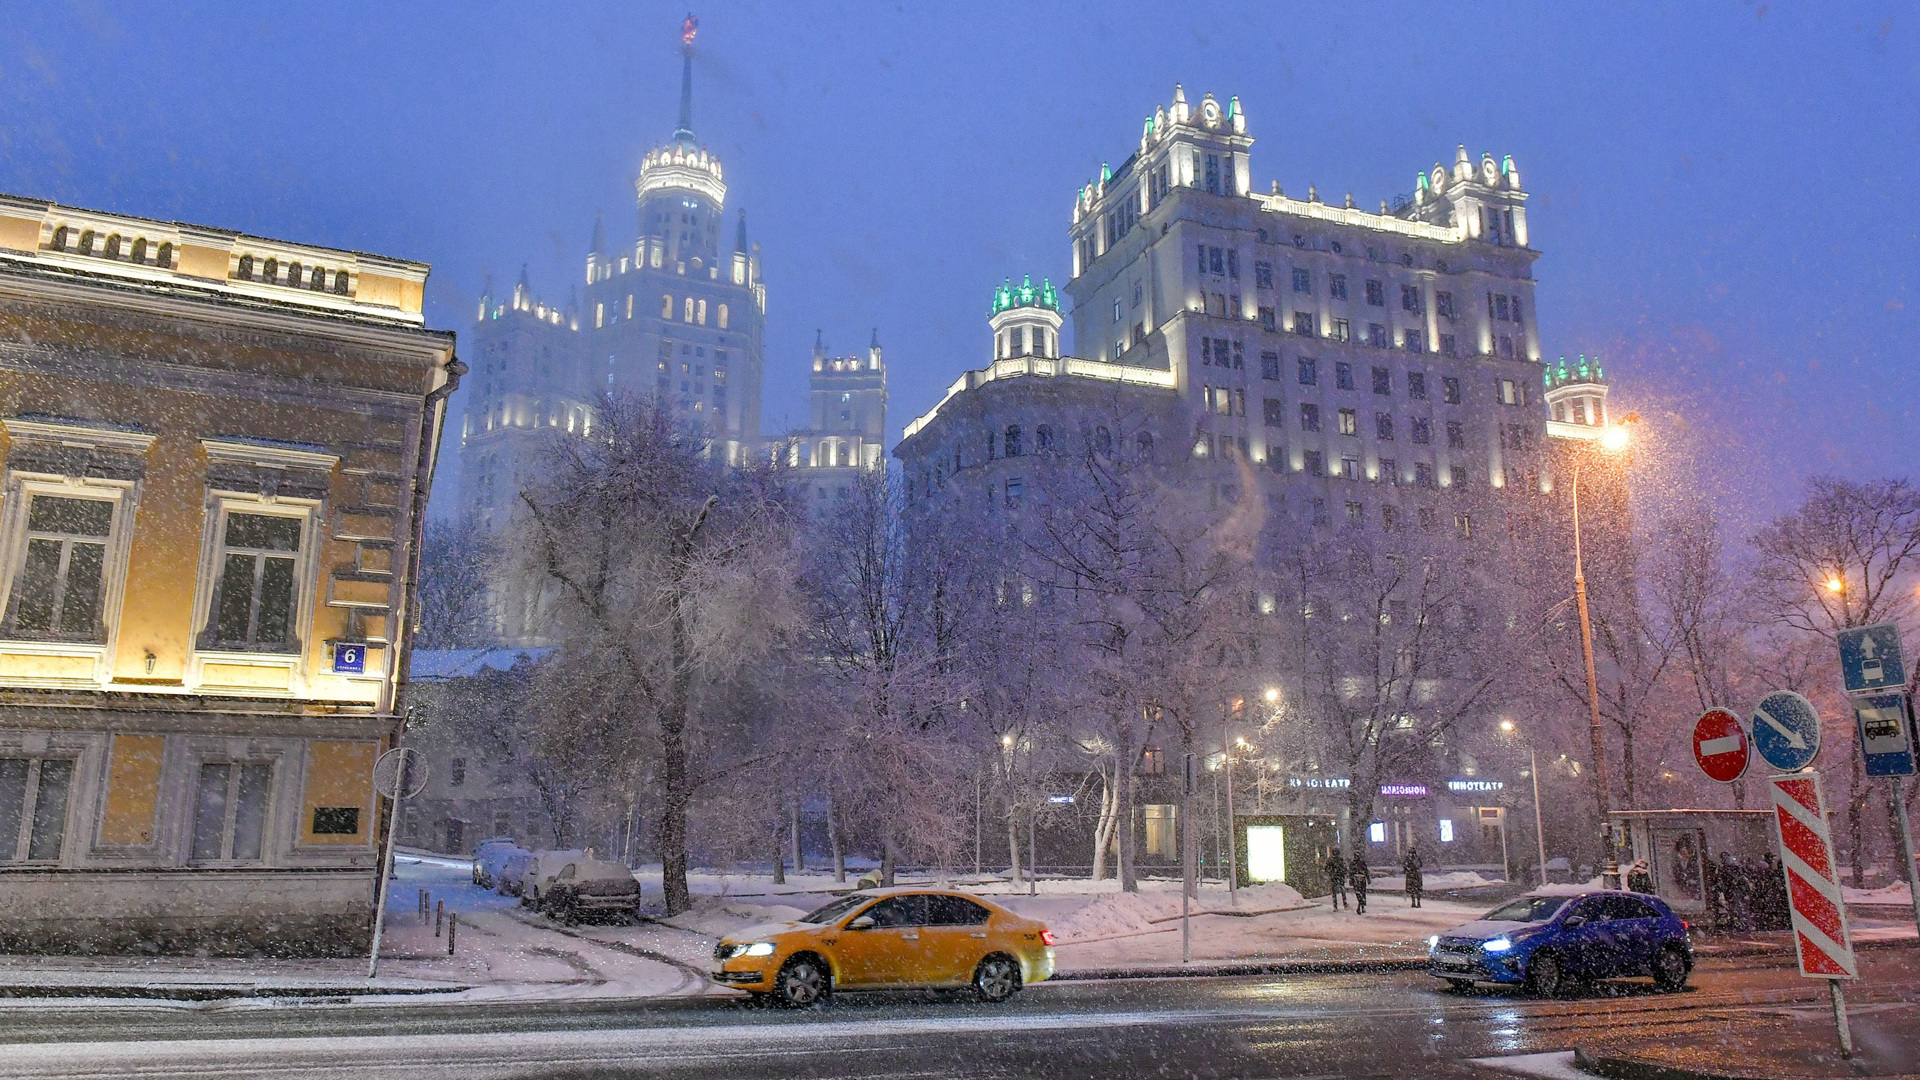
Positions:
(1724, 194)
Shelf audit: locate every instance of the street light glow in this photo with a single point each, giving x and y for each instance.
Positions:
(1273, 694)
(1506, 725)
(1614, 438)
(1834, 584)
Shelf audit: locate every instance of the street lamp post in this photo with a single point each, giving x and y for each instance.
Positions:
(1539, 830)
(1613, 438)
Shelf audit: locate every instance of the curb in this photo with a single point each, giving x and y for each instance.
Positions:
(1281, 967)
(149, 992)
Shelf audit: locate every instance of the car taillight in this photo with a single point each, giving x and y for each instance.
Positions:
(1046, 936)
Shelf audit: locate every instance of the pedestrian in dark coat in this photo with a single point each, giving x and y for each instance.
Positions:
(1358, 877)
(1416, 882)
(1336, 867)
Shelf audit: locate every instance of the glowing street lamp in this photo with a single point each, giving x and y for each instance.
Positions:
(1613, 439)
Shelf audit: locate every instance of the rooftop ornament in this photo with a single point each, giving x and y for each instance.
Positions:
(1008, 296)
(1582, 370)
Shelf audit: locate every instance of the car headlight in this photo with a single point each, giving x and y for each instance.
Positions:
(1433, 942)
(1499, 944)
(759, 948)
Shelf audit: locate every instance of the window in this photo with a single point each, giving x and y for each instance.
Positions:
(1410, 298)
(1376, 293)
(1263, 275)
(1382, 381)
(1267, 319)
(1446, 830)
(1414, 340)
(1042, 439)
(1423, 474)
(1463, 524)
(1506, 392)
(1116, 310)
(230, 811)
(723, 316)
(1383, 426)
(1349, 468)
(33, 808)
(1213, 173)
(1012, 443)
(1153, 761)
(899, 911)
(955, 911)
(1349, 422)
(687, 310)
(666, 307)
(1390, 518)
(1014, 491)
(1310, 417)
(1161, 832)
(1420, 430)
(1456, 436)
(1303, 323)
(1450, 390)
(1356, 513)
(457, 772)
(1274, 412)
(1337, 286)
(1143, 445)
(1316, 463)
(60, 585)
(1377, 832)
(1340, 331)
(1302, 280)
(1448, 346)
(1342, 375)
(1377, 336)
(255, 599)
(1443, 304)
(1270, 366)
(1233, 264)
(1319, 511)
(1309, 371)
(1216, 261)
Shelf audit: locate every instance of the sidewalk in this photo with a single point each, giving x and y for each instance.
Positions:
(1775, 1046)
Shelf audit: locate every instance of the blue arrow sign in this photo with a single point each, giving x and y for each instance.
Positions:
(1786, 731)
(1870, 658)
(1886, 733)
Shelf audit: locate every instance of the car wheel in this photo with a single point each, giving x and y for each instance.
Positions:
(1544, 975)
(1461, 985)
(1670, 969)
(803, 981)
(996, 979)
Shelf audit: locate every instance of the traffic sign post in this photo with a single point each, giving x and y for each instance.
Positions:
(400, 773)
(1870, 658)
(1887, 738)
(1720, 745)
(1820, 935)
(1786, 731)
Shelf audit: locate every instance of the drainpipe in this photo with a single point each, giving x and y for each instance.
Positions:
(430, 420)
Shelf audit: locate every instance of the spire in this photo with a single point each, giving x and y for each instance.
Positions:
(599, 235)
(819, 342)
(875, 343)
(740, 233)
(687, 29)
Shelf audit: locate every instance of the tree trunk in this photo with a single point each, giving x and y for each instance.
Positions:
(1013, 840)
(1626, 765)
(1103, 828)
(1856, 820)
(799, 855)
(1123, 813)
(676, 786)
(889, 859)
(779, 863)
(833, 841)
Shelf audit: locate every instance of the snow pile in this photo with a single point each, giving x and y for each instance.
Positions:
(1118, 913)
(718, 916)
(1895, 894)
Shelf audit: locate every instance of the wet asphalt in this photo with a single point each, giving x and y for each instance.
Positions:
(1399, 1024)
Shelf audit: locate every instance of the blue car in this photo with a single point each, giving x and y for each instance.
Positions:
(1547, 939)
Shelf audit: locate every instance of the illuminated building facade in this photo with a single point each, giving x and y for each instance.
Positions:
(217, 449)
(847, 432)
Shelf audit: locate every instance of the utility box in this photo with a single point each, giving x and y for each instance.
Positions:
(1285, 847)
(1713, 866)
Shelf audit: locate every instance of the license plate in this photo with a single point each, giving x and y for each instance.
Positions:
(1452, 960)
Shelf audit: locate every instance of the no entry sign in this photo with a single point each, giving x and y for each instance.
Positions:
(1720, 745)
(1813, 882)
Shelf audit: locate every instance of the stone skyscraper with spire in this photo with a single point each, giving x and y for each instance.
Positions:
(677, 313)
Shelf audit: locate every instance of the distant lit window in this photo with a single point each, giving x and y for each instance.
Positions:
(1377, 832)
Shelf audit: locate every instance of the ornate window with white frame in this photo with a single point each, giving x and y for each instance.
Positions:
(260, 549)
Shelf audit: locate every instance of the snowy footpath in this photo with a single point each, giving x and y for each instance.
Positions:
(504, 952)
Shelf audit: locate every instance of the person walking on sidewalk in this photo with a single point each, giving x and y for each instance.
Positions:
(1416, 882)
(1358, 878)
(1336, 879)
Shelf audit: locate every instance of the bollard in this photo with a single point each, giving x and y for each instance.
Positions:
(453, 924)
(439, 913)
(423, 906)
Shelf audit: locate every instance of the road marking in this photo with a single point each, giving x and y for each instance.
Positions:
(1554, 1066)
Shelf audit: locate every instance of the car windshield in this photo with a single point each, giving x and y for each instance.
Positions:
(835, 910)
(1526, 909)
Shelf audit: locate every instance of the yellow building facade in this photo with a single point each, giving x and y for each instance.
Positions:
(216, 450)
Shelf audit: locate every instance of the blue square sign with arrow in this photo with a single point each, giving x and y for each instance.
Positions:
(1870, 658)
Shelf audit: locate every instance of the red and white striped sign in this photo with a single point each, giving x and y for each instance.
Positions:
(1813, 880)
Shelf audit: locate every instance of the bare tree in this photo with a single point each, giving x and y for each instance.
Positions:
(672, 571)
(1847, 556)
(457, 560)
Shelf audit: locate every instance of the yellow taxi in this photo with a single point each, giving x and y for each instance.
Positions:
(886, 939)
